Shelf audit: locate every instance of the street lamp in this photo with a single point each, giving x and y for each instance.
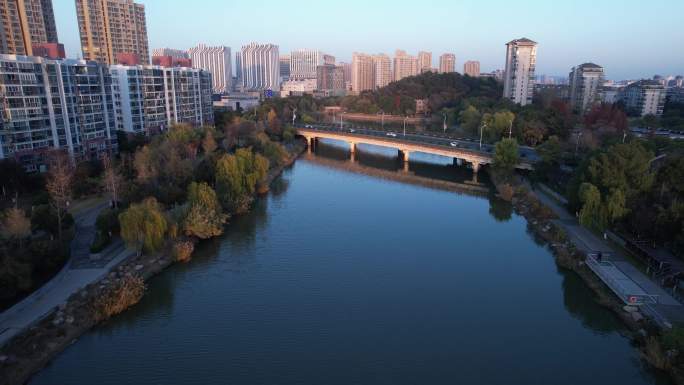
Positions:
(510, 129)
(445, 125)
(405, 118)
(383, 120)
(482, 127)
(294, 116)
(342, 121)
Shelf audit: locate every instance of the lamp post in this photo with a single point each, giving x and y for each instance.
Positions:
(383, 120)
(405, 118)
(482, 127)
(510, 129)
(445, 125)
(294, 116)
(342, 121)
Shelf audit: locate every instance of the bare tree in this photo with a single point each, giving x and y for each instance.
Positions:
(112, 180)
(58, 185)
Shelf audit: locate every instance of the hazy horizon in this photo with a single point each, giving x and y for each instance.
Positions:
(630, 39)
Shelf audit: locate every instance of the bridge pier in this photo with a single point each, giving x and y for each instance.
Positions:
(352, 147)
(403, 155)
(458, 162)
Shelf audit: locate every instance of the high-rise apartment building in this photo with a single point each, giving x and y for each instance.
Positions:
(424, 61)
(284, 67)
(113, 31)
(347, 70)
(447, 63)
(215, 60)
(471, 68)
(328, 59)
(54, 104)
(362, 73)
(383, 70)
(585, 83)
(25, 23)
(645, 97)
(404, 65)
(149, 99)
(303, 63)
(330, 79)
(260, 67)
(521, 60)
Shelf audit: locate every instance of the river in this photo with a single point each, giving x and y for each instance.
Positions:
(363, 273)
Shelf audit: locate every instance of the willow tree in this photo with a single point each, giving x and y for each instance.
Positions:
(237, 178)
(143, 225)
(204, 218)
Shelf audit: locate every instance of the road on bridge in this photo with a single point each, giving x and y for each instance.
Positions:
(526, 153)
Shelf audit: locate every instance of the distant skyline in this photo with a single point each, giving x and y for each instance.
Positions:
(630, 38)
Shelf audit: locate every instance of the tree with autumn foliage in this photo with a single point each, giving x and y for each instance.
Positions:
(58, 185)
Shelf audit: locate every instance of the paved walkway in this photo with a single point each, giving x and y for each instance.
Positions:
(76, 274)
(667, 309)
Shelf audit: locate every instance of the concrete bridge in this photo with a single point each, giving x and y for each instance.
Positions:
(459, 149)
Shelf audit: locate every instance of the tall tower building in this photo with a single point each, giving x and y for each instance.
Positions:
(471, 68)
(404, 65)
(362, 72)
(383, 70)
(424, 61)
(284, 67)
(447, 63)
(585, 81)
(260, 67)
(303, 63)
(113, 31)
(521, 59)
(215, 60)
(25, 23)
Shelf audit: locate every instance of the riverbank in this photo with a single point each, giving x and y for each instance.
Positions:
(29, 351)
(643, 332)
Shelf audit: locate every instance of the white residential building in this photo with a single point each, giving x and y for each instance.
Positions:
(585, 83)
(519, 80)
(298, 87)
(260, 67)
(54, 104)
(362, 73)
(149, 99)
(645, 97)
(217, 61)
(303, 63)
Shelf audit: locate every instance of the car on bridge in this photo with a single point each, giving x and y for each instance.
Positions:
(392, 134)
(454, 144)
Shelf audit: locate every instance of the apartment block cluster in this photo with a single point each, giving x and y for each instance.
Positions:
(586, 84)
(50, 102)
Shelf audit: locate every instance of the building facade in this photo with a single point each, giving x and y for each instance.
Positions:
(174, 53)
(383, 70)
(330, 79)
(447, 63)
(215, 60)
(149, 99)
(471, 68)
(113, 30)
(260, 67)
(645, 97)
(284, 67)
(299, 87)
(25, 23)
(424, 61)
(54, 105)
(362, 73)
(303, 63)
(519, 80)
(404, 65)
(585, 86)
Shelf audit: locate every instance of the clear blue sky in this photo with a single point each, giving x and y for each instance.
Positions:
(630, 38)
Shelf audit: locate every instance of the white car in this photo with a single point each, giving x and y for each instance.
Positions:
(454, 144)
(352, 130)
(392, 134)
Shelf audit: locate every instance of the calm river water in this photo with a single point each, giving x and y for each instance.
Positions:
(363, 274)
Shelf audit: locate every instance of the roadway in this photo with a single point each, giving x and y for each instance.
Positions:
(527, 154)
